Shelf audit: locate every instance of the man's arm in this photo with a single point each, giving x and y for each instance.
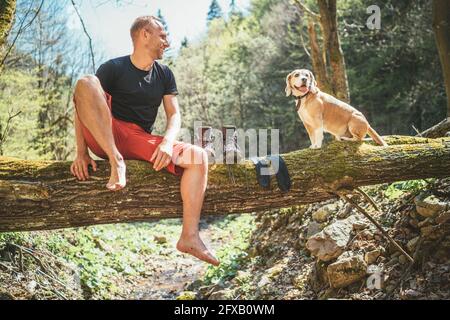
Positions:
(163, 153)
(79, 167)
(173, 118)
(82, 148)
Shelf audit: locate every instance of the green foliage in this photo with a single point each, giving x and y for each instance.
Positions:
(18, 93)
(102, 254)
(233, 255)
(236, 73)
(160, 16)
(394, 73)
(398, 189)
(215, 11)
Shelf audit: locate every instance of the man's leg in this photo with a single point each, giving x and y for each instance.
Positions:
(95, 115)
(193, 187)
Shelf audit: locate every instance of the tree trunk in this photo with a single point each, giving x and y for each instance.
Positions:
(328, 20)
(441, 26)
(319, 65)
(7, 11)
(38, 195)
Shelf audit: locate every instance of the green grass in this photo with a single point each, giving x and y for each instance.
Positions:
(398, 189)
(232, 255)
(102, 253)
(105, 256)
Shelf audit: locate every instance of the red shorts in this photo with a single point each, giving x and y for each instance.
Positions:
(134, 143)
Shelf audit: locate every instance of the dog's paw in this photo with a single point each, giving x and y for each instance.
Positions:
(314, 147)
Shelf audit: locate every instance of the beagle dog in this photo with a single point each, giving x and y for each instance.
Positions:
(321, 112)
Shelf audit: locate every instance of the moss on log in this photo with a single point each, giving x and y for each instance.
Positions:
(37, 195)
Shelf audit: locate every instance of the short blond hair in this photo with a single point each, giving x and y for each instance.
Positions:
(142, 22)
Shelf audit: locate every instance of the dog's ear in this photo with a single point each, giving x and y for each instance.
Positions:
(314, 88)
(288, 85)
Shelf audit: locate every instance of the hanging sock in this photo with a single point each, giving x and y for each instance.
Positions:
(269, 164)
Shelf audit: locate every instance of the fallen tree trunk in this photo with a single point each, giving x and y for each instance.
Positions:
(37, 195)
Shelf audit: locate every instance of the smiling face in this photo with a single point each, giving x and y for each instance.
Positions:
(300, 82)
(149, 37)
(155, 40)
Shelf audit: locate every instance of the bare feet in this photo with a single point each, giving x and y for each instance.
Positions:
(195, 246)
(118, 180)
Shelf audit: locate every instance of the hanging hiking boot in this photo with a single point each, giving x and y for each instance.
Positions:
(206, 139)
(231, 151)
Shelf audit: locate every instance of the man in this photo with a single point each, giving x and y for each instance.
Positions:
(115, 113)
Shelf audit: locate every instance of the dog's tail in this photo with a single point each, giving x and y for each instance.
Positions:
(376, 137)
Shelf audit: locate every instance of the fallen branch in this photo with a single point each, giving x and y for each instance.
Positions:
(376, 224)
(439, 130)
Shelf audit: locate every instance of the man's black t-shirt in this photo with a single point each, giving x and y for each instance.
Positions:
(136, 94)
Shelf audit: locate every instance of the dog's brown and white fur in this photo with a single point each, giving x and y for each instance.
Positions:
(321, 112)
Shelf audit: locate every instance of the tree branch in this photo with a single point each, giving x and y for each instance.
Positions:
(87, 35)
(304, 8)
(21, 29)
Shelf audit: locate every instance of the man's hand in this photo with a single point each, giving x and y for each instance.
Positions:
(162, 156)
(79, 167)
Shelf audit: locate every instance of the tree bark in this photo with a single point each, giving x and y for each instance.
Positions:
(319, 65)
(328, 20)
(7, 11)
(440, 130)
(38, 195)
(441, 26)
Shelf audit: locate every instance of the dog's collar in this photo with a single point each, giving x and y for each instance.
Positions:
(299, 100)
(303, 96)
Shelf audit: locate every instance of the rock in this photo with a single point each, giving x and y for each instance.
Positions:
(331, 241)
(413, 214)
(413, 223)
(346, 271)
(366, 234)
(242, 276)
(324, 213)
(31, 286)
(390, 288)
(426, 231)
(372, 256)
(313, 228)
(410, 294)
(402, 259)
(300, 281)
(265, 280)
(428, 205)
(206, 291)
(433, 232)
(221, 295)
(273, 272)
(359, 225)
(425, 222)
(411, 245)
(392, 262)
(194, 285)
(443, 218)
(187, 295)
(160, 239)
(6, 296)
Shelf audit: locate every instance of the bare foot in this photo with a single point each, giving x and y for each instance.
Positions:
(118, 180)
(195, 246)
